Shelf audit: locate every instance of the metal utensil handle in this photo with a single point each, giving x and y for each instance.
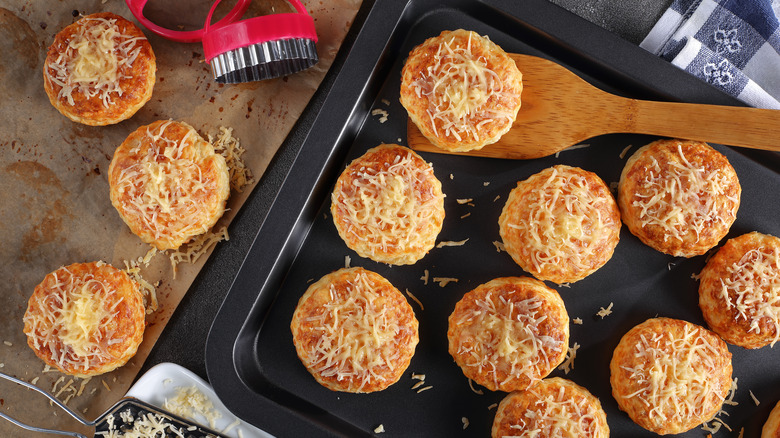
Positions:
(39, 429)
(50, 397)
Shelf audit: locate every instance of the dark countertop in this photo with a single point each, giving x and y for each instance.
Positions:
(184, 339)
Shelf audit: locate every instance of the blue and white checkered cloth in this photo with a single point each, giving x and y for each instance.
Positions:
(732, 44)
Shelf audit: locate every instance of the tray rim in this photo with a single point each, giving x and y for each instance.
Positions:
(595, 50)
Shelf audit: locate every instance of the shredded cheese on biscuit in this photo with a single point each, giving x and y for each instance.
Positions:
(94, 61)
(675, 378)
(752, 288)
(390, 208)
(75, 313)
(683, 197)
(459, 86)
(564, 222)
(165, 188)
(356, 337)
(557, 414)
(503, 336)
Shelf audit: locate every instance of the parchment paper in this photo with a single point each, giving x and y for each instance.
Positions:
(54, 198)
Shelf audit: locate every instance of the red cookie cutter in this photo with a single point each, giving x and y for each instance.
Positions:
(247, 50)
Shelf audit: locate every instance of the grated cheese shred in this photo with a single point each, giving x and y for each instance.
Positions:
(189, 402)
(230, 148)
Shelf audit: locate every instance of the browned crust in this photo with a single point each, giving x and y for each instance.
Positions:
(414, 243)
(720, 311)
(771, 427)
(521, 207)
(512, 417)
(136, 81)
(467, 341)
(625, 386)
(210, 202)
(119, 336)
(719, 219)
(307, 329)
(422, 57)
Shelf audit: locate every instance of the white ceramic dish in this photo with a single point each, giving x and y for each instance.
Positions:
(160, 383)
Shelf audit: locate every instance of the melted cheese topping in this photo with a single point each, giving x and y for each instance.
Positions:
(683, 197)
(752, 287)
(458, 86)
(674, 376)
(71, 320)
(357, 338)
(94, 61)
(507, 333)
(564, 222)
(385, 210)
(164, 188)
(557, 414)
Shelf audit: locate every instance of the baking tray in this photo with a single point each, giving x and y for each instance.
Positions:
(250, 357)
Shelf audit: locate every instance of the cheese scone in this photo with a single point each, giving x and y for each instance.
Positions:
(85, 319)
(670, 375)
(509, 333)
(168, 184)
(771, 427)
(461, 89)
(551, 408)
(388, 205)
(561, 224)
(679, 197)
(99, 70)
(354, 331)
(739, 290)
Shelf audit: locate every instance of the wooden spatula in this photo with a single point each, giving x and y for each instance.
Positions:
(560, 110)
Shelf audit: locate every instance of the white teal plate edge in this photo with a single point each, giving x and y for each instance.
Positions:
(162, 380)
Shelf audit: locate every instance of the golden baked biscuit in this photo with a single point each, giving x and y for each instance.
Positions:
(461, 89)
(168, 184)
(739, 290)
(679, 197)
(99, 70)
(551, 408)
(670, 375)
(354, 331)
(85, 319)
(388, 205)
(509, 333)
(561, 224)
(771, 427)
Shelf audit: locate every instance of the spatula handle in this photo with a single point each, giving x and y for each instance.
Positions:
(735, 126)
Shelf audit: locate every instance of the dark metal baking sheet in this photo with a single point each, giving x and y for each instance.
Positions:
(250, 358)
